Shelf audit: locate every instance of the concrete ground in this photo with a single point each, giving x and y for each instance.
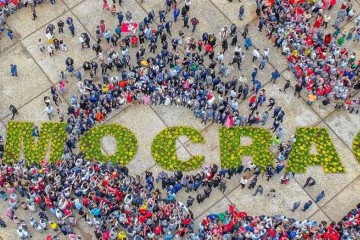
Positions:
(38, 72)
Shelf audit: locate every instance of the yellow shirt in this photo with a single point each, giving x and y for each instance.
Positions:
(312, 97)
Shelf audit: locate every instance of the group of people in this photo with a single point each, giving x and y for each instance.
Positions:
(316, 53)
(118, 205)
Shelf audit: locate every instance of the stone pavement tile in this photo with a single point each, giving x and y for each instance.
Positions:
(30, 81)
(297, 113)
(34, 110)
(318, 107)
(88, 8)
(3, 129)
(261, 41)
(72, 3)
(52, 66)
(344, 201)
(145, 124)
(178, 116)
(319, 216)
(331, 183)
(206, 12)
(6, 42)
(286, 195)
(10, 231)
(22, 23)
(334, 12)
(345, 125)
(231, 10)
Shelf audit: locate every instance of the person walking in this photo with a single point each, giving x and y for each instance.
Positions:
(309, 182)
(13, 70)
(241, 12)
(222, 185)
(189, 201)
(259, 189)
(33, 12)
(49, 110)
(186, 21)
(320, 196)
(286, 86)
(194, 23)
(60, 25)
(13, 110)
(274, 76)
(296, 205)
(307, 205)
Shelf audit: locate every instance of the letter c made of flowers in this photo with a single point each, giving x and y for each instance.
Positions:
(163, 148)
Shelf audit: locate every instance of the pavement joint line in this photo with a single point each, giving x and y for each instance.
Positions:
(42, 70)
(251, 21)
(163, 121)
(337, 194)
(30, 100)
(322, 120)
(149, 169)
(37, 29)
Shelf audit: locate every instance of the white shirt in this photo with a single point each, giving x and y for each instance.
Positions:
(256, 53)
(49, 109)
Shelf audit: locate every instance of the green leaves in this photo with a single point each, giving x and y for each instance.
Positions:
(231, 151)
(356, 146)
(126, 144)
(163, 148)
(300, 156)
(19, 136)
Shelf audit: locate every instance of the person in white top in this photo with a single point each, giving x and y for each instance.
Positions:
(256, 54)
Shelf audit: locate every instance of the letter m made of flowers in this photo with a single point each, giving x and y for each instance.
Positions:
(232, 151)
(19, 139)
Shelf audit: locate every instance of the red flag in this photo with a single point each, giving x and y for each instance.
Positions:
(129, 27)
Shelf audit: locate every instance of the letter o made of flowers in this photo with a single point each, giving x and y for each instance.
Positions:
(126, 144)
(163, 149)
(356, 146)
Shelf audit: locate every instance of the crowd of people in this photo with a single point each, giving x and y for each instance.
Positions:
(316, 51)
(191, 73)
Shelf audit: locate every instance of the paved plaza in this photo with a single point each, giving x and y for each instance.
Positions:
(38, 72)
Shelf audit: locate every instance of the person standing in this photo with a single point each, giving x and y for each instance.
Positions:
(186, 21)
(320, 196)
(33, 12)
(274, 76)
(298, 88)
(194, 23)
(60, 25)
(259, 189)
(176, 13)
(35, 133)
(189, 201)
(241, 12)
(256, 54)
(13, 70)
(286, 86)
(296, 206)
(49, 110)
(309, 182)
(13, 110)
(72, 29)
(307, 205)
